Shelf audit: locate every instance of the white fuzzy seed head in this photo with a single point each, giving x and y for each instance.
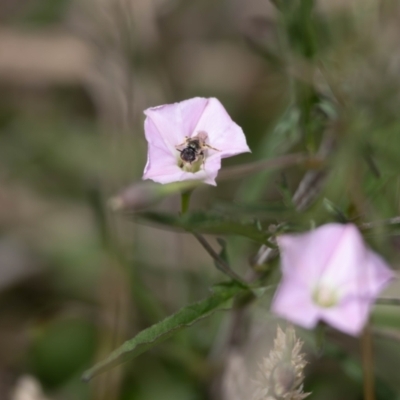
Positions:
(281, 374)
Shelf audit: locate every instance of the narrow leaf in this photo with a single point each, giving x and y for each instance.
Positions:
(164, 329)
(207, 223)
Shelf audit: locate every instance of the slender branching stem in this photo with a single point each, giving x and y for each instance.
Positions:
(373, 224)
(287, 160)
(368, 364)
(219, 262)
(390, 334)
(390, 301)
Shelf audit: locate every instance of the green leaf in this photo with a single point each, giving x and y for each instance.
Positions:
(159, 332)
(43, 13)
(209, 224)
(333, 209)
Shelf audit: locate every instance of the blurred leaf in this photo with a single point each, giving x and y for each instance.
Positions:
(248, 169)
(159, 332)
(266, 209)
(280, 140)
(208, 223)
(300, 25)
(354, 370)
(285, 192)
(262, 36)
(368, 155)
(333, 209)
(62, 350)
(44, 12)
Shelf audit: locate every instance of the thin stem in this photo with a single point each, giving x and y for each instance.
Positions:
(368, 364)
(219, 262)
(185, 201)
(240, 171)
(389, 221)
(387, 334)
(389, 301)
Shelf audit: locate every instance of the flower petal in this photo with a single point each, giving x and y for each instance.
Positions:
(166, 128)
(159, 155)
(211, 166)
(191, 111)
(381, 273)
(223, 133)
(173, 173)
(334, 259)
(349, 316)
(164, 174)
(293, 302)
(175, 121)
(374, 277)
(307, 254)
(347, 262)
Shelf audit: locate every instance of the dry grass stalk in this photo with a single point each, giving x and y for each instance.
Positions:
(281, 374)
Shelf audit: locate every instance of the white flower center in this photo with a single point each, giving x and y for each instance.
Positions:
(192, 167)
(325, 296)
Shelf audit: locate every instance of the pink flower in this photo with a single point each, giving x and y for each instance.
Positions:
(329, 274)
(169, 129)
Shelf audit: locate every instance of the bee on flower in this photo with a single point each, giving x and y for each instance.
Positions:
(187, 140)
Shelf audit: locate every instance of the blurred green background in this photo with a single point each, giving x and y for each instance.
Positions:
(76, 280)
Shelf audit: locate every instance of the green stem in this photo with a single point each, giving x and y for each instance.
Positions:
(185, 201)
(219, 262)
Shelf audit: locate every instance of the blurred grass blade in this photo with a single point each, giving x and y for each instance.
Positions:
(207, 223)
(161, 331)
(244, 170)
(333, 209)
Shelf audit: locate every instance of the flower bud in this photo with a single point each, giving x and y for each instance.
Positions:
(144, 194)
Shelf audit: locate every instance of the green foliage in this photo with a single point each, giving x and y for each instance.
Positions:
(62, 349)
(203, 222)
(40, 13)
(161, 331)
(72, 138)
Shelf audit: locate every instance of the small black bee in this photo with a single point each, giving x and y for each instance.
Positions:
(192, 149)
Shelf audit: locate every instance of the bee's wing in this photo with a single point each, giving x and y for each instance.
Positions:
(182, 145)
(202, 136)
